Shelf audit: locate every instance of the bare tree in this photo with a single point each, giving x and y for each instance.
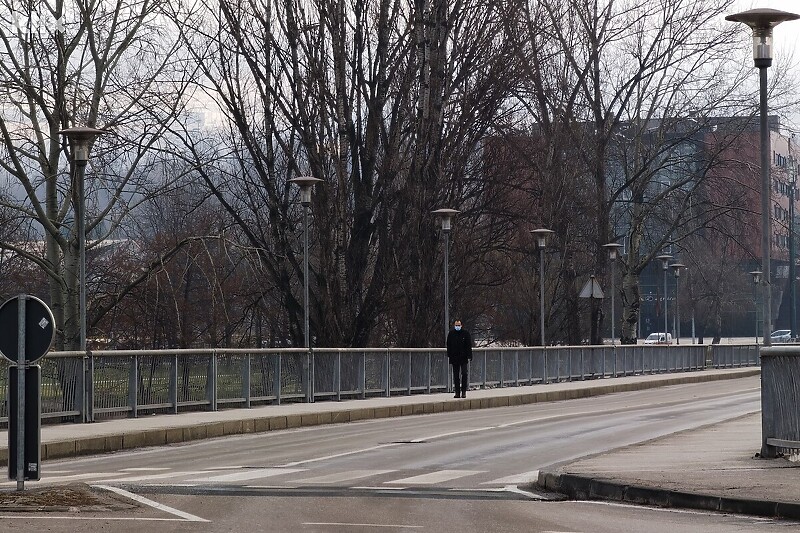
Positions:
(65, 63)
(636, 85)
(387, 102)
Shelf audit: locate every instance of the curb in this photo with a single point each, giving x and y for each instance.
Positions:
(259, 424)
(586, 488)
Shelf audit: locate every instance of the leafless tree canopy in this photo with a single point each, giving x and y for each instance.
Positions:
(595, 119)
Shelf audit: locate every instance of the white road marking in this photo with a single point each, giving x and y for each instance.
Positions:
(26, 516)
(346, 524)
(378, 488)
(673, 510)
(143, 469)
(254, 473)
(155, 505)
(75, 477)
(340, 477)
(435, 477)
(337, 455)
(147, 477)
(530, 494)
(516, 478)
(499, 426)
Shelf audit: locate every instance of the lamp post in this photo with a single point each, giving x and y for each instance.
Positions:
(81, 139)
(756, 280)
(306, 184)
(792, 273)
(541, 235)
(665, 265)
(676, 269)
(762, 21)
(446, 220)
(613, 249)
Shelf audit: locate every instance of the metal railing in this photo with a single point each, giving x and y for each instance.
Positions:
(108, 384)
(780, 396)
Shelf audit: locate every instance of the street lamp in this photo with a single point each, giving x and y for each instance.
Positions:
(306, 184)
(676, 269)
(446, 220)
(613, 249)
(756, 280)
(81, 139)
(541, 235)
(762, 21)
(665, 265)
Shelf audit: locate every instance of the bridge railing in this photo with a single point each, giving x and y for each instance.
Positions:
(780, 396)
(117, 383)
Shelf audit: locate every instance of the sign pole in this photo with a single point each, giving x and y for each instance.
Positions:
(21, 393)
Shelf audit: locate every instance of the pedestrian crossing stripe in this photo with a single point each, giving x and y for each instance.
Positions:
(432, 478)
(237, 475)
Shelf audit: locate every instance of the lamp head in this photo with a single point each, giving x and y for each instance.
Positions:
(762, 21)
(613, 248)
(446, 217)
(664, 260)
(81, 139)
(306, 183)
(676, 268)
(541, 235)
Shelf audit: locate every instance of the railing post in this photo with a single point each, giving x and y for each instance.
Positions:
(173, 384)
(133, 387)
(429, 371)
(89, 380)
(544, 365)
(338, 375)
(408, 383)
(310, 376)
(780, 421)
(363, 374)
(485, 363)
(448, 376)
(516, 368)
(502, 372)
(246, 380)
(530, 366)
(388, 373)
(211, 383)
(277, 382)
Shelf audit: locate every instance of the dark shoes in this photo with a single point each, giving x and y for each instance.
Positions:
(456, 396)
(464, 394)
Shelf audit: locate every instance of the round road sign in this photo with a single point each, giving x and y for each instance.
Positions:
(39, 329)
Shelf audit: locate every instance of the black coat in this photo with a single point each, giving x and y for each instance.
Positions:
(459, 346)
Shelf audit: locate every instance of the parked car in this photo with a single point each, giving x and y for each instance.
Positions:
(781, 335)
(658, 338)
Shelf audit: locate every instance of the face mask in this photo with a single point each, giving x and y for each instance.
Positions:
(458, 328)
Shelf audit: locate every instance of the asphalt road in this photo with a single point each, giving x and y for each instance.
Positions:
(458, 471)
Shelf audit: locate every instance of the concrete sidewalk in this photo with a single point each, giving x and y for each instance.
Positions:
(712, 468)
(708, 468)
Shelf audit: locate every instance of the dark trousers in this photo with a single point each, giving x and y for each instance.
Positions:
(460, 376)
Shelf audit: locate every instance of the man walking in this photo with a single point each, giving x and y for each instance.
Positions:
(459, 352)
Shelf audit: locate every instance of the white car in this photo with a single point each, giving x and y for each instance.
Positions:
(658, 338)
(781, 335)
